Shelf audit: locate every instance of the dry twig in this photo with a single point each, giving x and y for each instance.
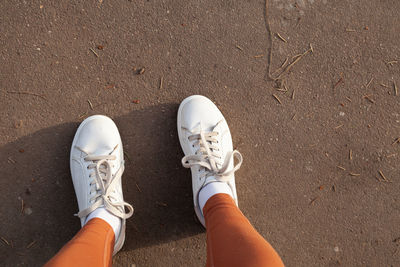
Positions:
(396, 141)
(90, 104)
(138, 188)
(313, 200)
(94, 52)
(383, 176)
(370, 81)
(368, 97)
(161, 83)
(277, 98)
(5, 240)
(280, 37)
(162, 204)
(31, 244)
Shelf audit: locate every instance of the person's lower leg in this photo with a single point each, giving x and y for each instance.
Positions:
(93, 245)
(231, 239)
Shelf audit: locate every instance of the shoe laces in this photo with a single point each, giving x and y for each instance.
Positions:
(208, 156)
(103, 186)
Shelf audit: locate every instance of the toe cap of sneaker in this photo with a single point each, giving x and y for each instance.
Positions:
(196, 109)
(98, 134)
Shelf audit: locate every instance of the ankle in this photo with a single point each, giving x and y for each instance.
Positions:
(109, 218)
(212, 189)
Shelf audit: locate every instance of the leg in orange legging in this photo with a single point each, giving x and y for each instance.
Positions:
(232, 240)
(93, 245)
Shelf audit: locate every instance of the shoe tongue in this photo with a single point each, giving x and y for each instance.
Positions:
(204, 126)
(97, 149)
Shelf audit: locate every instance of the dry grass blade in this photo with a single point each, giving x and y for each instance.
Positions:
(94, 52)
(339, 126)
(370, 81)
(368, 97)
(396, 141)
(354, 174)
(383, 176)
(280, 37)
(338, 82)
(342, 168)
(138, 188)
(313, 200)
(384, 85)
(351, 154)
(258, 56)
(5, 240)
(395, 88)
(239, 47)
(82, 115)
(90, 104)
(277, 98)
(281, 67)
(284, 63)
(288, 67)
(162, 204)
(161, 82)
(31, 244)
(22, 206)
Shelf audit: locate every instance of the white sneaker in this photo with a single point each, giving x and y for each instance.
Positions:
(97, 164)
(207, 144)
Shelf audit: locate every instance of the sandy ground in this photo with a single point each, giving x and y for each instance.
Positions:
(310, 181)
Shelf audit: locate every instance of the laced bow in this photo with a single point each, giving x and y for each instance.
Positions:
(208, 156)
(103, 183)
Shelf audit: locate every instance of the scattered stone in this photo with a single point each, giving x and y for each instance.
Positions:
(28, 211)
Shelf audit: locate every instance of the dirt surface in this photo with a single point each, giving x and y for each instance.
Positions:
(310, 181)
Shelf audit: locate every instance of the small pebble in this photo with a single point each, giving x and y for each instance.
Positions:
(28, 211)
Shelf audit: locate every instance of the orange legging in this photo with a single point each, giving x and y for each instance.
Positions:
(231, 240)
(93, 246)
